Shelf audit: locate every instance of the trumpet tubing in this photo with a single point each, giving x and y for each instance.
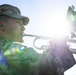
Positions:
(37, 36)
(44, 47)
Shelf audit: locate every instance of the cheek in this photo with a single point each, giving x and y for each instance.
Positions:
(13, 29)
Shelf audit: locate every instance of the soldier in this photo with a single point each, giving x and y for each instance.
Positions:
(17, 59)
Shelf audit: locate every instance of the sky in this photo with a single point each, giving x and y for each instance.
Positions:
(47, 17)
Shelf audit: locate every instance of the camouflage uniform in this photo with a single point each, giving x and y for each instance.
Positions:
(19, 60)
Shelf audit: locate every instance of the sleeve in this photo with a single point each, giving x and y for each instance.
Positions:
(25, 62)
(56, 59)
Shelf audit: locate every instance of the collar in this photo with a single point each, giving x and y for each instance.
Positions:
(5, 43)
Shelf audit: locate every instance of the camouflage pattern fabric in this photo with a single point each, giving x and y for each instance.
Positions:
(21, 60)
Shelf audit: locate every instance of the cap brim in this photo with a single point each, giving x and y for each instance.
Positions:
(24, 19)
(18, 16)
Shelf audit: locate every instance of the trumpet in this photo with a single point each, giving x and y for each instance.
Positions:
(37, 37)
(44, 47)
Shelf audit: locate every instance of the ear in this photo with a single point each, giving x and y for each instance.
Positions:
(2, 28)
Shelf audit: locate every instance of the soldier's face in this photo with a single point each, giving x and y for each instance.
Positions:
(14, 30)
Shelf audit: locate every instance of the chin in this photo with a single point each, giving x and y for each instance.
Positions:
(18, 40)
(21, 41)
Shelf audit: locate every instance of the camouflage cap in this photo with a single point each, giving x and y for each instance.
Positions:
(13, 12)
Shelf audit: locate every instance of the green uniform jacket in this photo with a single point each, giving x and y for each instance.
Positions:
(21, 60)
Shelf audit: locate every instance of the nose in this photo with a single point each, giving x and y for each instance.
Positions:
(22, 28)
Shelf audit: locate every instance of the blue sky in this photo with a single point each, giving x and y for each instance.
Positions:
(41, 13)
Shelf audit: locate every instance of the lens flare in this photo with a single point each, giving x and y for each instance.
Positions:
(57, 25)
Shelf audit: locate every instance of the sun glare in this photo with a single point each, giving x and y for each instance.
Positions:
(57, 25)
